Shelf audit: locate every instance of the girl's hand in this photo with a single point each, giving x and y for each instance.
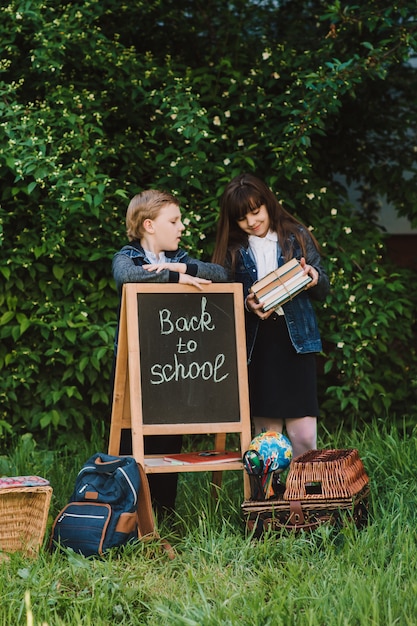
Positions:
(186, 279)
(256, 307)
(181, 268)
(311, 271)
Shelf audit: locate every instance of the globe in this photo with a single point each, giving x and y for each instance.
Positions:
(274, 449)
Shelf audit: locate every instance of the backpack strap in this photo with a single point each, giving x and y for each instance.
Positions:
(146, 521)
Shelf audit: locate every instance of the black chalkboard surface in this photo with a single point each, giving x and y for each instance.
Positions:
(188, 358)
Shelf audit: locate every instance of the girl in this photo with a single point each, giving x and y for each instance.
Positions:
(256, 235)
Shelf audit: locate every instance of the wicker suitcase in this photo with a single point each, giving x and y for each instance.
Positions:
(323, 486)
(24, 514)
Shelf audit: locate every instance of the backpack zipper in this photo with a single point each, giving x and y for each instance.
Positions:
(129, 482)
(80, 516)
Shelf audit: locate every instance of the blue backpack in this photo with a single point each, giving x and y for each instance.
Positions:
(110, 506)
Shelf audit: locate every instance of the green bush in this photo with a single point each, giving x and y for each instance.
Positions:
(99, 100)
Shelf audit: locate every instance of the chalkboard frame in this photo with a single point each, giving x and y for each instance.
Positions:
(127, 409)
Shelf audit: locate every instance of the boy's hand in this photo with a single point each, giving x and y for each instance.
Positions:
(186, 279)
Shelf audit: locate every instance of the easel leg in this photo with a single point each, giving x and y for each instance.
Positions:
(217, 477)
(121, 388)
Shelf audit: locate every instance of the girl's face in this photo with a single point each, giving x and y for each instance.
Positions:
(255, 222)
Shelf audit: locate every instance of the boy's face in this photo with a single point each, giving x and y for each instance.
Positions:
(167, 229)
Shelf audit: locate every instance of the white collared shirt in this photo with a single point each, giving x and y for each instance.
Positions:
(155, 258)
(265, 252)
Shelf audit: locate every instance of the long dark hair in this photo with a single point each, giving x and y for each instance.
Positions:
(246, 193)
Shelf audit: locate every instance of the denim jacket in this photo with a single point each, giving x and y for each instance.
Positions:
(299, 313)
(127, 267)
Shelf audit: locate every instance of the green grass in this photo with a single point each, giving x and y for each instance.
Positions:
(220, 576)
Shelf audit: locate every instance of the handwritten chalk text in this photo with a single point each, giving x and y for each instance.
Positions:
(200, 322)
(179, 371)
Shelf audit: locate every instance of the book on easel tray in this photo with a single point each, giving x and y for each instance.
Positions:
(205, 456)
(280, 285)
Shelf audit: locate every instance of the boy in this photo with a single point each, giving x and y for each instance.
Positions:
(154, 228)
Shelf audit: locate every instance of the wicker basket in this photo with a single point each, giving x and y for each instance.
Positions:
(23, 517)
(306, 515)
(322, 486)
(325, 474)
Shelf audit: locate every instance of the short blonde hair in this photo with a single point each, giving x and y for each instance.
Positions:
(143, 206)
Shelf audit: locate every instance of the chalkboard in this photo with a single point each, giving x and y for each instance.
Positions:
(188, 357)
(181, 369)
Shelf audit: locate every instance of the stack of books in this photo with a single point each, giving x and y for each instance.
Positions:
(281, 285)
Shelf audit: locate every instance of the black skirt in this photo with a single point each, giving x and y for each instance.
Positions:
(282, 383)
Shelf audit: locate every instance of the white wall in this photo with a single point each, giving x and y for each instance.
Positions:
(393, 224)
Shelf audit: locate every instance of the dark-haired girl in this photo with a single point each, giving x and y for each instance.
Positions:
(256, 235)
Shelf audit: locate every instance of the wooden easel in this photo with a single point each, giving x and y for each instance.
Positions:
(130, 409)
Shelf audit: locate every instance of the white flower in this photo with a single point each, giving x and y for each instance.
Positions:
(369, 286)
(265, 55)
(340, 344)
(227, 113)
(352, 298)
(226, 161)
(323, 190)
(310, 196)
(216, 121)
(333, 212)
(347, 230)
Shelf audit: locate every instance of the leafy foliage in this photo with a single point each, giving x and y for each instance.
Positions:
(100, 99)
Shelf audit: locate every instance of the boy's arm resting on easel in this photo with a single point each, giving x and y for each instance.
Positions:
(125, 271)
(210, 271)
